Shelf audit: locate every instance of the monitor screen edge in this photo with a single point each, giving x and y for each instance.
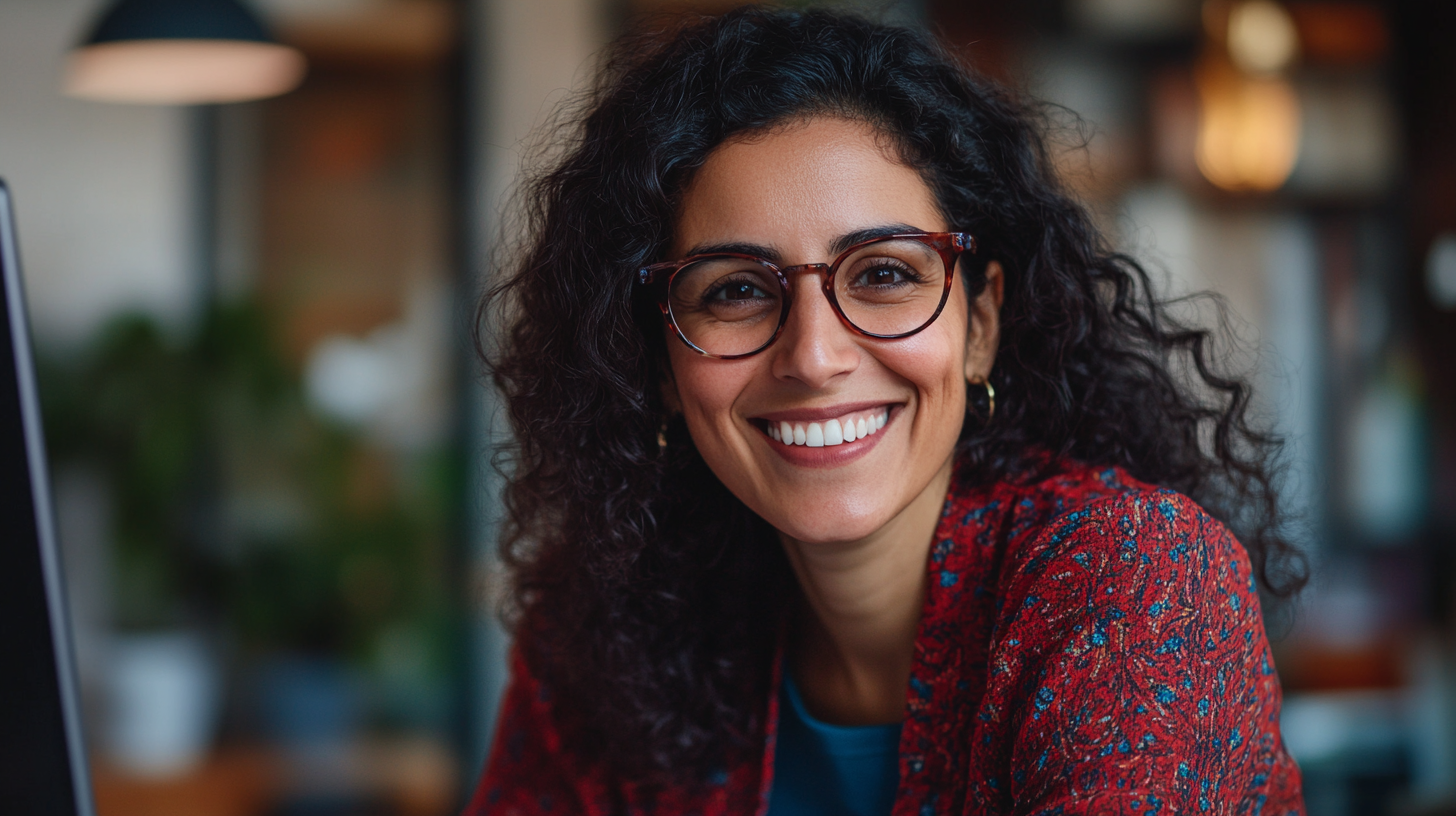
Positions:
(44, 510)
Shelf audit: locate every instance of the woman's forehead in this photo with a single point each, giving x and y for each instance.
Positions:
(797, 187)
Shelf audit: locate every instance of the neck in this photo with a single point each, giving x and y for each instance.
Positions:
(854, 638)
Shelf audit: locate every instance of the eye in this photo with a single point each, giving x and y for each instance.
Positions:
(884, 273)
(736, 290)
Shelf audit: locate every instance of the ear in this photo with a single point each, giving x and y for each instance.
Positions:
(983, 333)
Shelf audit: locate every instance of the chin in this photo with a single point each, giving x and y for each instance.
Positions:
(830, 524)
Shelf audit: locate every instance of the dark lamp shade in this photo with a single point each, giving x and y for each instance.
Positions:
(178, 52)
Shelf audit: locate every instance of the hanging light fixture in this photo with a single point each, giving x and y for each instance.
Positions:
(181, 52)
(1249, 114)
(1248, 129)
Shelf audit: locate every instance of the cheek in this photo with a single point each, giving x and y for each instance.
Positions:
(937, 371)
(707, 390)
(935, 362)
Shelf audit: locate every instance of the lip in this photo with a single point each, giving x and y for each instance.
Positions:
(825, 413)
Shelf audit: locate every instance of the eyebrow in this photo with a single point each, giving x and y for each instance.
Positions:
(768, 253)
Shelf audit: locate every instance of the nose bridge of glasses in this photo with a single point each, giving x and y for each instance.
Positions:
(790, 271)
(807, 314)
(821, 269)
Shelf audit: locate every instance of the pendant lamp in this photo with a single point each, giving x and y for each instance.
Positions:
(181, 52)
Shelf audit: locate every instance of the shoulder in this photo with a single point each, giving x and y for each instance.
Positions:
(1099, 524)
(1125, 657)
(1078, 543)
(1042, 492)
(532, 769)
(1125, 540)
(1129, 655)
(1136, 569)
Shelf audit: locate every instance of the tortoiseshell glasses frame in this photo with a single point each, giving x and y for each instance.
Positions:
(948, 245)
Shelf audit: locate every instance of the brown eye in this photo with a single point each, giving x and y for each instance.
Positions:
(885, 274)
(737, 290)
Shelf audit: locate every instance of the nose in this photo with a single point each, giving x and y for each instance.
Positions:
(815, 347)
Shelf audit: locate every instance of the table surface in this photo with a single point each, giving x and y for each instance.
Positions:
(417, 776)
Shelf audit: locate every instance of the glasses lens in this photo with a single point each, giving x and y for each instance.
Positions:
(726, 305)
(891, 287)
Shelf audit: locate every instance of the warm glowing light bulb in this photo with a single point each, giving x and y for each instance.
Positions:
(1261, 37)
(1248, 129)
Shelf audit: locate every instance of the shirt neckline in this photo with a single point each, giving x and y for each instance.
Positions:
(843, 740)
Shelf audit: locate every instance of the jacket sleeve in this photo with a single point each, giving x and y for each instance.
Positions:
(1131, 671)
(528, 773)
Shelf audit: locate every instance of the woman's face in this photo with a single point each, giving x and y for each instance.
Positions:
(794, 191)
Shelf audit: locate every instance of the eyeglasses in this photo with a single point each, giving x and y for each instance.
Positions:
(728, 305)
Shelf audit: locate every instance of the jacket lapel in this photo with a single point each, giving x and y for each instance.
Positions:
(949, 674)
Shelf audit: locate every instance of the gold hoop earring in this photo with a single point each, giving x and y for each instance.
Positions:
(662, 436)
(990, 398)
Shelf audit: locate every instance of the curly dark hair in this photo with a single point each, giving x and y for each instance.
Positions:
(651, 595)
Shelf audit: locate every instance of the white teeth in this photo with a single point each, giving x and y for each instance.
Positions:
(833, 433)
(827, 434)
(814, 437)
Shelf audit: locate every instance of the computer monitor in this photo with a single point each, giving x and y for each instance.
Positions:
(42, 761)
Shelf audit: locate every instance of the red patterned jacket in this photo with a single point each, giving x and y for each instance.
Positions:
(1089, 645)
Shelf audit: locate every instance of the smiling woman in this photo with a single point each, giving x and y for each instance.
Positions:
(847, 463)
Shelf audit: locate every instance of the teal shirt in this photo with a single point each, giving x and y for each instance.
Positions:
(831, 770)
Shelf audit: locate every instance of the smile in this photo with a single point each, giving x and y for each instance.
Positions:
(828, 433)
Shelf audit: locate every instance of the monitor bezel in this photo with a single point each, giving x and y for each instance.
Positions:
(45, 518)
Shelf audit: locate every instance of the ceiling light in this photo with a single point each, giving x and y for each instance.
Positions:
(181, 52)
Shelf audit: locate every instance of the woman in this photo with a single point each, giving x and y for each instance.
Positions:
(853, 473)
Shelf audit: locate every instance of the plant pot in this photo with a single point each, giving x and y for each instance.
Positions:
(162, 695)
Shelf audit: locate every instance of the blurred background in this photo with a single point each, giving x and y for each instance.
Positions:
(271, 441)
